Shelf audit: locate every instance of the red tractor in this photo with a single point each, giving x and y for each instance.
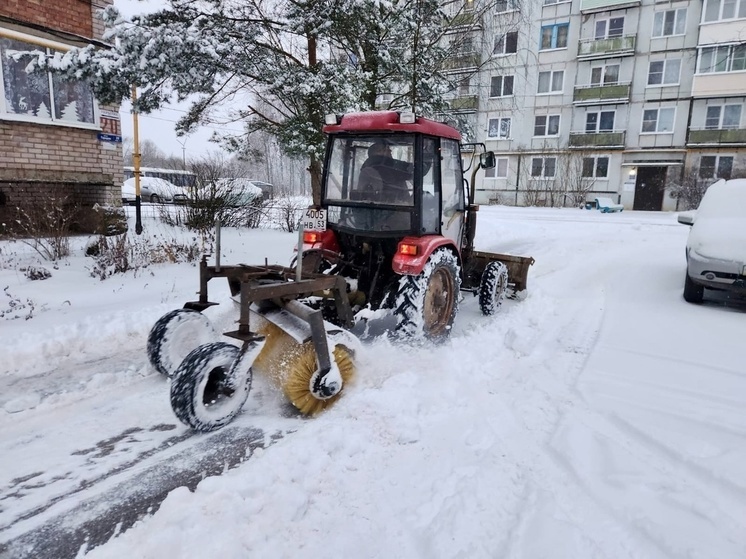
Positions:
(389, 249)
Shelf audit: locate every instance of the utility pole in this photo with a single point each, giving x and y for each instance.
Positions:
(136, 162)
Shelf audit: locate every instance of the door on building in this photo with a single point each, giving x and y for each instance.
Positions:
(649, 187)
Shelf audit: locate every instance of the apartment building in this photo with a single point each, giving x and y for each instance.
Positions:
(613, 98)
(57, 144)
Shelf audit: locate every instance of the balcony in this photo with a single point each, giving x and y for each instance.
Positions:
(467, 18)
(590, 6)
(731, 137)
(597, 140)
(464, 103)
(589, 49)
(599, 94)
(463, 61)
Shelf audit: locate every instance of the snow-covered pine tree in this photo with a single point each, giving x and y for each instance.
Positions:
(292, 63)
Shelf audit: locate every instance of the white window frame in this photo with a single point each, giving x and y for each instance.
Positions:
(607, 26)
(503, 41)
(510, 6)
(594, 173)
(547, 118)
(552, 74)
(659, 21)
(730, 51)
(658, 120)
(500, 121)
(721, 116)
(716, 168)
(495, 172)
(502, 86)
(555, 2)
(598, 122)
(543, 175)
(604, 70)
(739, 11)
(48, 46)
(666, 63)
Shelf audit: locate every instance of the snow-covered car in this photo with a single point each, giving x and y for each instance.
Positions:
(154, 190)
(716, 248)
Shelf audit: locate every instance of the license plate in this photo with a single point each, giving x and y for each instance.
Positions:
(314, 220)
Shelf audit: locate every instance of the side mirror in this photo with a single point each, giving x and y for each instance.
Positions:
(487, 160)
(687, 218)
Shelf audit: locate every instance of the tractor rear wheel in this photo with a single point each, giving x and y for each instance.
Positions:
(174, 335)
(206, 393)
(492, 287)
(426, 304)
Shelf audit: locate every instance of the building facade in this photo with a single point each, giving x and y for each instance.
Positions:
(57, 144)
(616, 98)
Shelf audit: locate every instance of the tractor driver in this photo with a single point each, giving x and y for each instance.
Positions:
(383, 178)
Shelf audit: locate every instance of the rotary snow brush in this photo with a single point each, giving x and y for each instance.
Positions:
(291, 365)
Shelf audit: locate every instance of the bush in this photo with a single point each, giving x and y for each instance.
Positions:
(45, 226)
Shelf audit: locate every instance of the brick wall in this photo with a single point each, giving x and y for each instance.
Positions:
(73, 16)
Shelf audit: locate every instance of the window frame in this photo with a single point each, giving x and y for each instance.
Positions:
(739, 11)
(503, 79)
(599, 115)
(604, 72)
(676, 20)
(716, 168)
(503, 40)
(543, 175)
(550, 91)
(721, 116)
(607, 28)
(663, 83)
(547, 119)
(594, 169)
(510, 6)
(493, 172)
(555, 27)
(729, 58)
(49, 47)
(657, 121)
(500, 120)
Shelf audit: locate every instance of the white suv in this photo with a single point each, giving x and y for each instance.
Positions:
(716, 248)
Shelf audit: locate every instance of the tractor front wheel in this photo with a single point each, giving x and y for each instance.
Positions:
(426, 304)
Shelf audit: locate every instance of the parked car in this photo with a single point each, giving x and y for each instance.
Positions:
(154, 190)
(716, 248)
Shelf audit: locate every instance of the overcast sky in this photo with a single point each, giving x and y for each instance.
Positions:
(159, 126)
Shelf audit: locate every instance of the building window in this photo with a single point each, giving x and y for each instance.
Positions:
(551, 82)
(546, 125)
(502, 6)
(609, 28)
(658, 121)
(716, 10)
(605, 75)
(715, 167)
(727, 58)
(550, 2)
(602, 121)
(723, 117)
(554, 36)
(498, 128)
(41, 97)
(499, 171)
(464, 86)
(595, 167)
(506, 44)
(543, 167)
(664, 72)
(468, 5)
(501, 86)
(670, 22)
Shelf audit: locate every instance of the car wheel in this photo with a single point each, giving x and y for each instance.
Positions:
(693, 293)
(155, 199)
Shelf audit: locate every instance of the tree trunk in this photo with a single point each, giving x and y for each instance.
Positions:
(314, 168)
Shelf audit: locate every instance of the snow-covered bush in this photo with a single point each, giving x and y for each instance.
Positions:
(45, 226)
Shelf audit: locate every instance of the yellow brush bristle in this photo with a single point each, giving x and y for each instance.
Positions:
(291, 365)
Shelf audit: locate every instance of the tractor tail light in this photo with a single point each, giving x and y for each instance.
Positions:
(407, 249)
(311, 237)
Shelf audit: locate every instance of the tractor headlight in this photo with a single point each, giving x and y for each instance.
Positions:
(331, 119)
(407, 118)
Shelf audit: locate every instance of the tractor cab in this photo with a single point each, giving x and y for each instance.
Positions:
(391, 175)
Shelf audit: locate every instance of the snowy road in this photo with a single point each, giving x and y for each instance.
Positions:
(600, 417)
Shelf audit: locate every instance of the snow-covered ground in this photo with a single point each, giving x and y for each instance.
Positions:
(602, 416)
